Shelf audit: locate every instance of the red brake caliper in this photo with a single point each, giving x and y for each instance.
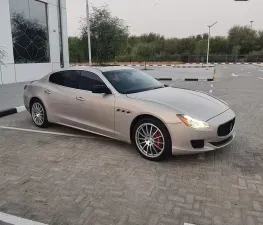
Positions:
(158, 138)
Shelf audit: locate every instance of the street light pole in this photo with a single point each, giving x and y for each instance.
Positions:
(127, 35)
(88, 31)
(251, 22)
(208, 44)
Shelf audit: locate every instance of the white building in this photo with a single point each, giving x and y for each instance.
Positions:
(33, 35)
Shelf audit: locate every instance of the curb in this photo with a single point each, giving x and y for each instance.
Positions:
(186, 65)
(186, 79)
(169, 65)
(11, 111)
(259, 65)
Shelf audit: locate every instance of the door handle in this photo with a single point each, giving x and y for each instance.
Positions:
(80, 98)
(48, 92)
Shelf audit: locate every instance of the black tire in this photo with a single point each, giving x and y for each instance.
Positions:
(166, 135)
(39, 103)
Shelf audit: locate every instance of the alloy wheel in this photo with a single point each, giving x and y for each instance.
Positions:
(150, 140)
(38, 113)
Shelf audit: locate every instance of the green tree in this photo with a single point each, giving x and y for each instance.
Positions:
(129, 49)
(205, 36)
(156, 40)
(76, 50)
(171, 46)
(236, 51)
(244, 37)
(201, 47)
(219, 45)
(133, 40)
(158, 46)
(143, 52)
(198, 37)
(186, 45)
(151, 37)
(108, 35)
(260, 39)
(109, 42)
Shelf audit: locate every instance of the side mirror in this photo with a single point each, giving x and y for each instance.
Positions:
(101, 89)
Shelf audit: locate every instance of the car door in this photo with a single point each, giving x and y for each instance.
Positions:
(60, 97)
(95, 111)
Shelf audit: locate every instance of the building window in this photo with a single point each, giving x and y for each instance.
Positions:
(29, 31)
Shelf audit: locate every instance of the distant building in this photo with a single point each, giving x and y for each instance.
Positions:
(33, 35)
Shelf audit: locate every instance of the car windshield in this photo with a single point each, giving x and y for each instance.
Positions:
(127, 81)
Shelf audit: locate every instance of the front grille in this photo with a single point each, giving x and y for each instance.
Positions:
(226, 128)
(220, 143)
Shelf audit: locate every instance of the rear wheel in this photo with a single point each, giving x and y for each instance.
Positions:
(152, 139)
(38, 114)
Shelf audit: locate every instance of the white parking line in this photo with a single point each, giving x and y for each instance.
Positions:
(189, 224)
(14, 220)
(234, 75)
(260, 78)
(51, 132)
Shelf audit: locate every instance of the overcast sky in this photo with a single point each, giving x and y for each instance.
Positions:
(178, 18)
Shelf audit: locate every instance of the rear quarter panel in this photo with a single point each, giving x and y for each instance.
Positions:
(36, 89)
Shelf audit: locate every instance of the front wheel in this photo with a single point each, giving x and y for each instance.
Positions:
(152, 139)
(38, 114)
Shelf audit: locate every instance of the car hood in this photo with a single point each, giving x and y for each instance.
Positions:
(193, 103)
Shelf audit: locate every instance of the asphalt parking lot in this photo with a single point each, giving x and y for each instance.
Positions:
(65, 176)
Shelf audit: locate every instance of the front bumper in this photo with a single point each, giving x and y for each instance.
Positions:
(181, 135)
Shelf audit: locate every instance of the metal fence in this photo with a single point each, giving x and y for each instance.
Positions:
(185, 58)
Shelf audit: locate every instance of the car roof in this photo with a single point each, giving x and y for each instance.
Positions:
(111, 68)
(100, 68)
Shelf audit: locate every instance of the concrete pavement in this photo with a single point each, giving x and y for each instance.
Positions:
(58, 179)
(11, 95)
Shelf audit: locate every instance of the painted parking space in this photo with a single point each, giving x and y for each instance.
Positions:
(14, 220)
(23, 121)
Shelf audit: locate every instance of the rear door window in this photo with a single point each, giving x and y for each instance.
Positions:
(67, 78)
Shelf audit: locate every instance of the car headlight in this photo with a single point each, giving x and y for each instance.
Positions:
(191, 122)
